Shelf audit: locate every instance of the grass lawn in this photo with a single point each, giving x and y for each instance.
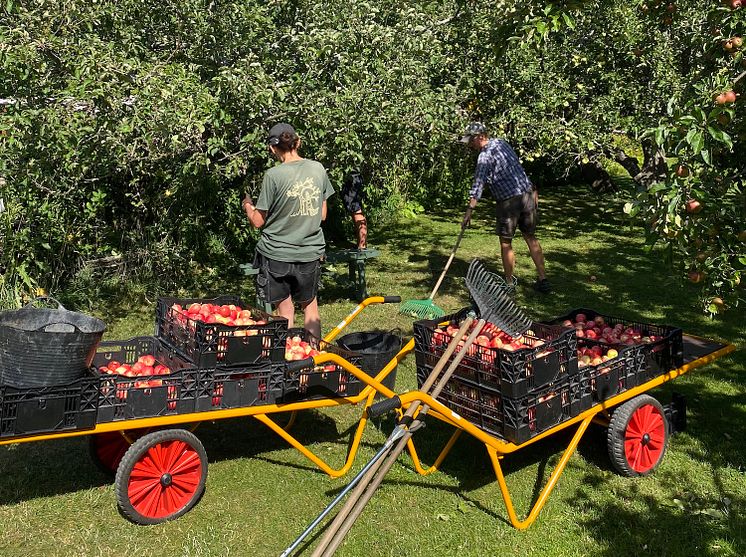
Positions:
(261, 493)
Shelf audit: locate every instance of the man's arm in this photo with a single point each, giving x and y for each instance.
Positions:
(323, 210)
(256, 217)
(469, 210)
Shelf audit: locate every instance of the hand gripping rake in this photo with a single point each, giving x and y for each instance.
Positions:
(481, 286)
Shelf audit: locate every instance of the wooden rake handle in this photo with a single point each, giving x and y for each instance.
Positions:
(448, 264)
(369, 483)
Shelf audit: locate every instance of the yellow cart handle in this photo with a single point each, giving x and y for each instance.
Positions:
(331, 335)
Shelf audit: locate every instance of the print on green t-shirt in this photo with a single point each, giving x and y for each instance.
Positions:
(292, 195)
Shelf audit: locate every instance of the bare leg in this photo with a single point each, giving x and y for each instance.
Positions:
(312, 319)
(508, 257)
(536, 254)
(361, 229)
(286, 309)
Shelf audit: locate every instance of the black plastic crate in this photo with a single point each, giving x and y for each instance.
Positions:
(238, 388)
(616, 375)
(518, 419)
(326, 381)
(210, 345)
(658, 357)
(550, 356)
(40, 410)
(148, 396)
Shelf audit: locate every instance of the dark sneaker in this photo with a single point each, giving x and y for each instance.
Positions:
(543, 286)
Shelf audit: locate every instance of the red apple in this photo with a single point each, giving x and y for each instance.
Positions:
(580, 318)
(147, 359)
(693, 206)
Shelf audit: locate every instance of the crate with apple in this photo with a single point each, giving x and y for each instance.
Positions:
(323, 381)
(34, 410)
(221, 332)
(238, 388)
(612, 371)
(143, 377)
(658, 348)
(512, 366)
(518, 419)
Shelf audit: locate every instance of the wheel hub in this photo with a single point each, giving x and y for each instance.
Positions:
(166, 480)
(645, 439)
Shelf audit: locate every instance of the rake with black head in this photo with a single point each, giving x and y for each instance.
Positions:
(493, 306)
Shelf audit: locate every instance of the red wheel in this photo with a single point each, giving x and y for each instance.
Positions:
(637, 436)
(161, 476)
(107, 450)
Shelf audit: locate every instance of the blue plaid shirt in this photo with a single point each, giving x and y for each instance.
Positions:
(498, 167)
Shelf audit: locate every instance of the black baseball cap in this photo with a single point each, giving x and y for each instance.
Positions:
(277, 130)
(472, 130)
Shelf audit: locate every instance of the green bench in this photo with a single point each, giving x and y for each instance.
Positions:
(249, 270)
(355, 260)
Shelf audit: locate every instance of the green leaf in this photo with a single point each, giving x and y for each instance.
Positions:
(568, 20)
(697, 142)
(706, 156)
(655, 188)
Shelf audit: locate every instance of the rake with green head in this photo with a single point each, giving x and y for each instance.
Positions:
(426, 309)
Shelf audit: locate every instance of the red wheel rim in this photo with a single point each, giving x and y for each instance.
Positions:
(110, 448)
(165, 479)
(644, 438)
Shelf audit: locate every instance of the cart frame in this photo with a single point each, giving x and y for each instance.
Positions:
(264, 413)
(498, 448)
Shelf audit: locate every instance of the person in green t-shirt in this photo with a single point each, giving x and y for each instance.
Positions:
(289, 211)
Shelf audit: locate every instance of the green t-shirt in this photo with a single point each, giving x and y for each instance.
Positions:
(292, 195)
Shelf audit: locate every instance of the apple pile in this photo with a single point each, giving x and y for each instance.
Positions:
(595, 356)
(298, 349)
(597, 329)
(491, 336)
(227, 314)
(145, 367)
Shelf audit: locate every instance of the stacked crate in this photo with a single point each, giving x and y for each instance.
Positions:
(521, 389)
(513, 392)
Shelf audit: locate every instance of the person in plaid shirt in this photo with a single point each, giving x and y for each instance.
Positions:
(516, 199)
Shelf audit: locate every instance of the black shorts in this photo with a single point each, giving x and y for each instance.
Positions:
(277, 280)
(352, 193)
(520, 211)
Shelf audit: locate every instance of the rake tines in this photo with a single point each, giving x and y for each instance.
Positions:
(489, 293)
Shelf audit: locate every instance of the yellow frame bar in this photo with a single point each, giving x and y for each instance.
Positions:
(497, 448)
(262, 413)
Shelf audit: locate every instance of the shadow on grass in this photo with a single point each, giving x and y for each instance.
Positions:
(635, 523)
(44, 469)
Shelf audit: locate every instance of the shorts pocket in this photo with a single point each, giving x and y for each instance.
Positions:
(261, 286)
(307, 269)
(279, 269)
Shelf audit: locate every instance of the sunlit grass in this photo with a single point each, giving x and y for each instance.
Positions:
(261, 493)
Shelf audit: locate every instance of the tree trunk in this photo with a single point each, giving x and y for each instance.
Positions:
(654, 168)
(595, 174)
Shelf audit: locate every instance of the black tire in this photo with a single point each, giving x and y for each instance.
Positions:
(106, 451)
(166, 489)
(637, 436)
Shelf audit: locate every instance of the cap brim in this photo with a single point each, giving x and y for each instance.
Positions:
(466, 138)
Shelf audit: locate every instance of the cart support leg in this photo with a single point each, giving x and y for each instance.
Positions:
(438, 461)
(539, 504)
(334, 473)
